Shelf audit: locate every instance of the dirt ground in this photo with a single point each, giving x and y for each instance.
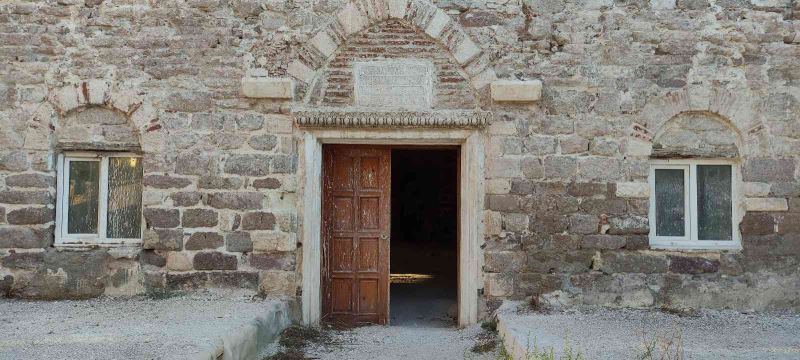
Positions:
(627, 334)
(395, 342)
(178, 327)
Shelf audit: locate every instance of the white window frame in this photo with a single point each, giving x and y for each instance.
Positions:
(690, 240)
(64, 239)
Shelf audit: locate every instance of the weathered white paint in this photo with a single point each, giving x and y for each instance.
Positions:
(471, 205)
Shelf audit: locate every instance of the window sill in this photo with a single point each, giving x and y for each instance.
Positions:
(89, 245)
(693, 246)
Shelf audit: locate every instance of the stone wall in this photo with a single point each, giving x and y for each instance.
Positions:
(566, 177)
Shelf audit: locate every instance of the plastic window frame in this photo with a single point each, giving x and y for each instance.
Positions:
(62, 237)
(690, 240)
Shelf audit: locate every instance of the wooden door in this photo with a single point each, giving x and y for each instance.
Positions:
(355, 232)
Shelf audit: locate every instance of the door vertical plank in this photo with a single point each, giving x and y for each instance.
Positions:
(356, 195)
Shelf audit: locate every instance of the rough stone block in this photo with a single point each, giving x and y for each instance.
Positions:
(599, 169)
(603, 242)
(560, 167)
(186, 281)
(203, 241)
(25, 197)
(437, 24)
(214, 261)
(234, 279)
(235, 201)
(284, 261)
(766, 204)
(498, 285)
(273, 241)
(516, 90)
(277, 283)
(248, 164)
(30, 181)
(755, 223)
(30, 216)
(583, 224)
(268, 88)
(628, 225)
(163, 239)
(768, 170)
(692, 265)
(219, 182)
(24, 238)
(467, 50)
(26, 260)
(633, 262)
(150, 257)
(502, 202)
(267, 183)
(503, 261)
(397, 8)
(162, 218)
(193, 218)
(238, 241)
(324, 43)
(179, 261)
(300, 71)
(185, 198)
(756, 189)
(633, 190)
(258, 221)
(165, 182)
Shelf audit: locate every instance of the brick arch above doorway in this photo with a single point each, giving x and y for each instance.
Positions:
(356, 16)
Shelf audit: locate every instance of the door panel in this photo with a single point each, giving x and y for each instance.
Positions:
(355, 251)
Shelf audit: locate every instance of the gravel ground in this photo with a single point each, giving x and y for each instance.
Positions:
(114, 328)
(620, 334)
(402, 342)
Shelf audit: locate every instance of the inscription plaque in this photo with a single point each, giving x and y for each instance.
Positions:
(403, 83)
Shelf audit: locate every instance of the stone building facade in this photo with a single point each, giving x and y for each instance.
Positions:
(215, 98)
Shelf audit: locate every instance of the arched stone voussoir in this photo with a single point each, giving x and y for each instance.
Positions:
(359, 15)
(736, 107)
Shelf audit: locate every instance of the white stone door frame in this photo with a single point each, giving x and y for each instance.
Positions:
(471, 192)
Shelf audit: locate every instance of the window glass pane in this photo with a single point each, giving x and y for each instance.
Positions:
(124, 197)
(84, 186)
(714, 205)
(670, 207)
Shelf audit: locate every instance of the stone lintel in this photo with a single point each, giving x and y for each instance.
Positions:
(369, 118)
(266, 87)
(516, 90)
(766, 204)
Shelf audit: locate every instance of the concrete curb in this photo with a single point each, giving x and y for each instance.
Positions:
(247, 341)
(512, 341)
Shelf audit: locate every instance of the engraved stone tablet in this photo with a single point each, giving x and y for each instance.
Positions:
(400, 83)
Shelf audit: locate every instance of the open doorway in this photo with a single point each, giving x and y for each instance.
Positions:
(424, 238)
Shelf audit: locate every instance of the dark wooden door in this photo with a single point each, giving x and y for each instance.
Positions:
(355, 231)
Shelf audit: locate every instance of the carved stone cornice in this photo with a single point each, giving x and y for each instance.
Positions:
(367, 118)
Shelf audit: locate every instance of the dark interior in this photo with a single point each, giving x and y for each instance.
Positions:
(424, 241)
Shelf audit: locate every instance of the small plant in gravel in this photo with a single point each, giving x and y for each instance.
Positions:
(490, 325)
(294, 340)
(666, 346)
